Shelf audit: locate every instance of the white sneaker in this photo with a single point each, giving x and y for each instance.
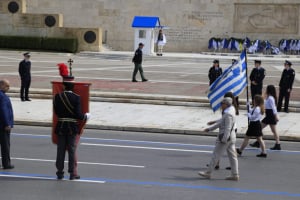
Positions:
(233, 178)
(204, 174)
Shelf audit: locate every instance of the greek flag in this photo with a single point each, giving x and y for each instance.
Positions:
(233, 80)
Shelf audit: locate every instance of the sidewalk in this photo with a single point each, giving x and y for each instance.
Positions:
(119, 114)
(149, 118)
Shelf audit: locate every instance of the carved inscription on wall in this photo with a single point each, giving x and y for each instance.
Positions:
(266, 18)
(184, 34)
(200, 18)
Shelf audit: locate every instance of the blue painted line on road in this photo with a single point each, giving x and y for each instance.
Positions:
(161, 184)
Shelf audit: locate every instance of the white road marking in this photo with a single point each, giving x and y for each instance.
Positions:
(48, 178)
(143, 147)
(84, 163)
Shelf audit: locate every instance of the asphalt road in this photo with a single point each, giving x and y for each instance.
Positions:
(130, 165)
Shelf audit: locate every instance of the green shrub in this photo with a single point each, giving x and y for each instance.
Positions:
(39, 43)
(60, 44)
(19, 42)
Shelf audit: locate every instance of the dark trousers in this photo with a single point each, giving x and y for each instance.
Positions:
(138, 67)
(64, 141)
(283, 93)
(5, 147)
(75, 171)
(255, 89)
(24, 91)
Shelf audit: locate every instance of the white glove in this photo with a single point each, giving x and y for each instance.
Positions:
(88, 116)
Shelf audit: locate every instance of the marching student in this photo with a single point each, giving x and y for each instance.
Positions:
(254, 129)
(271, 117)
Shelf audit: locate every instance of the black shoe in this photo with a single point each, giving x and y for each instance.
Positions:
(60, 175)
(134, 81)
(287, 111)
(276, 147)
(27, 99)
(262, 155)
(145, 80)
(9, 167)
(72, 177)
(22, 99)
(255, 144)
(239, 152)
(228, 168)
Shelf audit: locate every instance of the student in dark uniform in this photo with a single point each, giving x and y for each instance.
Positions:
(137, 60)
(214, 72)
(256, 78)
(25, 75)
(285, 86)
(68, 110)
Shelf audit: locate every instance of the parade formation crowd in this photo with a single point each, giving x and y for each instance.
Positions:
(68, 110)
(268, 103)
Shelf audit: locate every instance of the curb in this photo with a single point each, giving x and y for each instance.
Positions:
(168, 100)
(153, 130)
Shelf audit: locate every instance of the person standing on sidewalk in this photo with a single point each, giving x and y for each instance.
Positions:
(67, 107)
(225, 141)
(25, 75)
(137, 60)
(257, 76)
(214, 72)
(6, 124)
(254, 129)
(285, 86)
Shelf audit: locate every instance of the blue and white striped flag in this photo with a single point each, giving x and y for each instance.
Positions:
(233, 79)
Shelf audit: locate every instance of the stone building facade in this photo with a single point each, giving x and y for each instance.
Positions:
(191, 23)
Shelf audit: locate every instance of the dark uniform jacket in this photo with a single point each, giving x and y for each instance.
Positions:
(67, 107)
(287, 79)
(213, 74)
(6, 111)
(258, 75)
(138, 56)
(24, 70)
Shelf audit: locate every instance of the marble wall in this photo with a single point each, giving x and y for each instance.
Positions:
(191, 23)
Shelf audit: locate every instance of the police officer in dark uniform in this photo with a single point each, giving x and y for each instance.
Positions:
(67, 107)
(214, 72)
(25, 75)
(137, 60)
(256, 78)
(285, 86)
